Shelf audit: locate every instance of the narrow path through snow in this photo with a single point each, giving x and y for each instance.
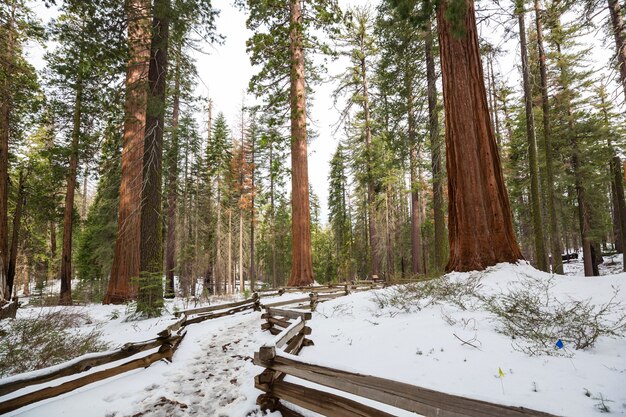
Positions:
(212, 379)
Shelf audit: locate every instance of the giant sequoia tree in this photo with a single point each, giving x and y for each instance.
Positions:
(282, 31)
(479, 216)
(126, 255)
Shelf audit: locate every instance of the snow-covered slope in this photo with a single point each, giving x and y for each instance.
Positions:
(413, 340)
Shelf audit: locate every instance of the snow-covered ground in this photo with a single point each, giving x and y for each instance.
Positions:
(612, 265)
(419, 343)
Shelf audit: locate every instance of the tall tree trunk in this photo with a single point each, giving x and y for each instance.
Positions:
(435, 149)
(272, 217)
(252, 274)
(494, 95)
(581, 192)
(231, 278)
(127, 245)
(17, 218)
(6, 103)
(480, 225)
(219, 265)
(301, 258)
(416, 225)
(83, 206)
(26, 280)
(172, 190)
(617, 188)
(241, 280)
(68, 218)
(371, 192)
(535, 193)
(555, 237)
(619, 32)
(151, 245)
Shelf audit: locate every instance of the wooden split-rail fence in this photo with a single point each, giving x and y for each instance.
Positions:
(279, 359)
(166, 341)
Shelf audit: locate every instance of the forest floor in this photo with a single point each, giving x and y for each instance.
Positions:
(438, 336)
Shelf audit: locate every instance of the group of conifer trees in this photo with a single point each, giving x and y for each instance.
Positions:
(430, 135)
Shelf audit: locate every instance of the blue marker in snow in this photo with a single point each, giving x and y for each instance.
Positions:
(559, 344)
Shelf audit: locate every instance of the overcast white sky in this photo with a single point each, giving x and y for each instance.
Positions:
(226, 70)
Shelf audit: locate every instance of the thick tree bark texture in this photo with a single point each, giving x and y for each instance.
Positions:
(17, 218)
(68, 214)
(619, 32)
(7, 47)
(535, 193)
(301, 258)
(479, 219)
(435, 146)
(151, 244)
(127, 250)
(555, 236)
(172, 192)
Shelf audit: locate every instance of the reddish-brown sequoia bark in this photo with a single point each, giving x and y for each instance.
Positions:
(126, 255)
(301, 262)
(479, 219)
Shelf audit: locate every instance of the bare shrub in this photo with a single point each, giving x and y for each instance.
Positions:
(535, 319)
(50, 338)
(416, 296)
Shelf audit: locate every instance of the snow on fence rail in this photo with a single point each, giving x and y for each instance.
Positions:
(167, 342)
(281, 362)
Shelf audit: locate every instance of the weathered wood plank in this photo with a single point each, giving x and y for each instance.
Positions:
(215, 307)
(209, 316)
(322, 402)
(284, 303)
(165, 352)
(292, 314)
(78, 365)
(397, 394)
(278, 322)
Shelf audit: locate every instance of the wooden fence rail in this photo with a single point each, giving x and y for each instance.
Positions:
(290, 330)
(167, 342)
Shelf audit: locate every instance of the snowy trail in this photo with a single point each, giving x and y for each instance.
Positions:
(212, 379)
(211, 375)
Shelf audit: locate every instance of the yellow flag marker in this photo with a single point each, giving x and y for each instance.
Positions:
(500, 373)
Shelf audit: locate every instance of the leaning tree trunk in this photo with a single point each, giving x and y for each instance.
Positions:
(151, 245)
(17, 218)
(480, 226)
(535, 203)
(301, 258)
(127, 245)
(435, 149)
(555, 237)
(68, 218)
